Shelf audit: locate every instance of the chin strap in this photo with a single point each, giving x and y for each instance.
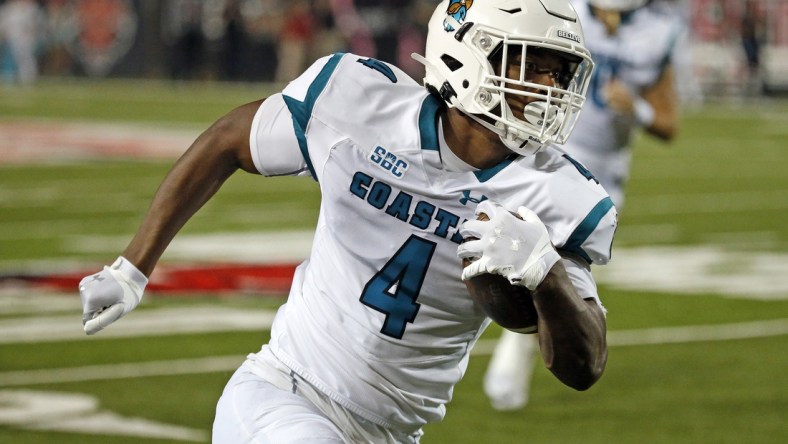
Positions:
(509, 136)
(543, 115)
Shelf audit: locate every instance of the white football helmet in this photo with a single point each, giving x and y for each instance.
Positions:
(469, 44)
(618, 5)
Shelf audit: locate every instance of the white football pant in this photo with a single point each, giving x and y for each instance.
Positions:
(266, 403)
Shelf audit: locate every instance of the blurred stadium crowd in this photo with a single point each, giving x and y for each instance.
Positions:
(737, 46)
(247, 40)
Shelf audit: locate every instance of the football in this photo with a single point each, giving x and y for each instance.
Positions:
(510, 306)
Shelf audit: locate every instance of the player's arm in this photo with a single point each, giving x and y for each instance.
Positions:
(663, 99)
(655, 108)
(572, 330)
(213, 157)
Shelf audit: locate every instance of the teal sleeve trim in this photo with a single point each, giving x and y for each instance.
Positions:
(575, 242)
(302, 111)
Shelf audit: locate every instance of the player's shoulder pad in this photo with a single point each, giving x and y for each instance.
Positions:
(345, 71)
(319, 71)
(582, 217)
(357, 98)
(592, 238)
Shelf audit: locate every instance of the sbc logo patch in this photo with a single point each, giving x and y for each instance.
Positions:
(388, 161)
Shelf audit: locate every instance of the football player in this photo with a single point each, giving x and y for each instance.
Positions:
(635, 47)
(378, 326)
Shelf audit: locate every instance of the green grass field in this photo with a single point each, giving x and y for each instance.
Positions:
(697, 292)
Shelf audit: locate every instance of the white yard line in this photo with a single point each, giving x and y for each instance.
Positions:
(675, 335)
(699, 333)
(165, 321)
(213, 364)
(698, 269)
(19, 302)
(259, 247)
(81, 413)
(210, 364)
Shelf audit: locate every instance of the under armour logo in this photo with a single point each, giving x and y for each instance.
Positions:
(466, 197)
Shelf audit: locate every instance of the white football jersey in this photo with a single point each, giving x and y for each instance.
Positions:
(378, 318)
(647, 40)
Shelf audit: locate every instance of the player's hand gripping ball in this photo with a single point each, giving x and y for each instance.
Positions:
(510, 306)
(505, 255)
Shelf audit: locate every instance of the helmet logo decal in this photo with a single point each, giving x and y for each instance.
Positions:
(457, 9)
(568, 35)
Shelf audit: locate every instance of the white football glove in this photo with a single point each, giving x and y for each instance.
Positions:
(110, 294)
(517, 249)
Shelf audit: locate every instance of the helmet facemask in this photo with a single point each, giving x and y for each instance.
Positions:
(524, 113)
(469, 50)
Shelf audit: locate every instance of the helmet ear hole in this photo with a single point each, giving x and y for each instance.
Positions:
(450, 62)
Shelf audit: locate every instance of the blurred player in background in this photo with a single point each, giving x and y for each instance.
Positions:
(753, 36)
(634, 46)
(378, 326)
(22, 25)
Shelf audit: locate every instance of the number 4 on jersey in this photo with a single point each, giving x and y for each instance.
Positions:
(394, 289)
